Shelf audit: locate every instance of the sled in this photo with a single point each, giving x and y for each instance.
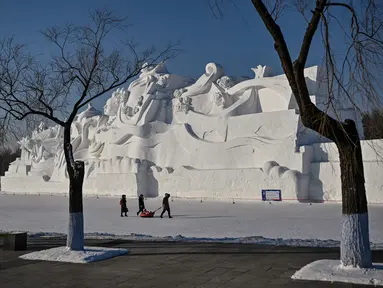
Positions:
(147, 214)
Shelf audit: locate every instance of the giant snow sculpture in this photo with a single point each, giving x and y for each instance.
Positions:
(214, 137)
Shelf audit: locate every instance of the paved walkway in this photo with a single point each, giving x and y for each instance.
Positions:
(166, 264)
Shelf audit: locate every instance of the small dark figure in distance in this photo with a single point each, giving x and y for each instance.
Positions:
(124, 207)
(165, 205)
(141, 204)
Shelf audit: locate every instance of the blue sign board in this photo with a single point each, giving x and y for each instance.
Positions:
(271, 195)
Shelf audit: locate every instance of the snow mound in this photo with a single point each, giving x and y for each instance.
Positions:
(333, 271)
(63, 254)
(228, 240)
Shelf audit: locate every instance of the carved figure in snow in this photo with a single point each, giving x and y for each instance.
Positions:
(120, 96)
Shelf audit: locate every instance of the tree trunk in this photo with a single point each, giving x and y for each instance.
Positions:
(75, 237)
(355, 242)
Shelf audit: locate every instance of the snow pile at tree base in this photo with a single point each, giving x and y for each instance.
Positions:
(333, 271)
(63, 254)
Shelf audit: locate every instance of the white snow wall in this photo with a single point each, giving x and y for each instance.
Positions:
(325, 183)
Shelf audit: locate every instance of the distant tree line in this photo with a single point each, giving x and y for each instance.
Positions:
(373, 124)
(7, 157)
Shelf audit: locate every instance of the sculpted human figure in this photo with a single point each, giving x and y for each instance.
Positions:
(139, 87)
(42, 145)
(119, 97)
(26, 147)
(83, 130)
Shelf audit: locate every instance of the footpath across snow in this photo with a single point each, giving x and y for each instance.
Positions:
(297, 224)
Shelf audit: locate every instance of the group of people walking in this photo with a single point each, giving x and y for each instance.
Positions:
(141, 205)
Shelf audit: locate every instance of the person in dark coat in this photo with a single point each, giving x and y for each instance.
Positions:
(124, 207)
(141, 204)
(165, 205)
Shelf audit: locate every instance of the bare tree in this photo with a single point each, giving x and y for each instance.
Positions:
(81, 70)
(373, 124)
(7, 156)
(14, 61)
(354, 78)
(364, 34)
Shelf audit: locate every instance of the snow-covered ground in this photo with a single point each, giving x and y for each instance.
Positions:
(333, 271)
(282, 223)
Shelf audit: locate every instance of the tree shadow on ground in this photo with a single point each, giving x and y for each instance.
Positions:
(199, 217)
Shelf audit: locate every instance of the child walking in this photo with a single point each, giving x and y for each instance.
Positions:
(124, 207)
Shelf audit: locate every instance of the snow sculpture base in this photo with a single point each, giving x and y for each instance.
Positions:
(245, 184)
(332, 271)
(63, 254)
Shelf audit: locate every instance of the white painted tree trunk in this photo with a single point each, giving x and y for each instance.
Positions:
(355, 246)
(76, 172)
(75, 237)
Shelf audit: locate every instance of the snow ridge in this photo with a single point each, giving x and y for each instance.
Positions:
(180, 238)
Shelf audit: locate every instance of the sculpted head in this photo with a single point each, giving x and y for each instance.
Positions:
(159, 68)
(42, 127)
(112, 104)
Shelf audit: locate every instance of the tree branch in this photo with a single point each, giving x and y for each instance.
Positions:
(279, 41)
(312, 117)
(310, 32)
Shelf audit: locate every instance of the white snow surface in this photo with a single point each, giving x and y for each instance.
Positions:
(63, 254)
(333, 271)
(278, 223)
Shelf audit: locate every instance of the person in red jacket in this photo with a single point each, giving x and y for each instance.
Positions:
(124, 207)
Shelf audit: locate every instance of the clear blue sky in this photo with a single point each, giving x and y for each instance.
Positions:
(239, 41)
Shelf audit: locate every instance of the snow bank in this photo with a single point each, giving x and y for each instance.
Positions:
(333, 271)
(242, 240)
(63, 254)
